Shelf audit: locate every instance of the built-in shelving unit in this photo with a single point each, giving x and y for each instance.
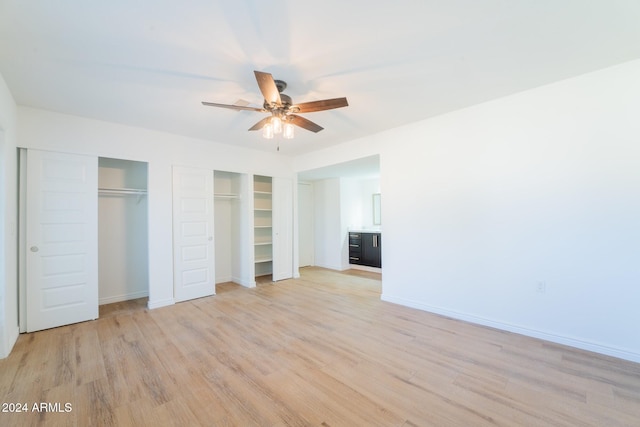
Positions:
(263, 223)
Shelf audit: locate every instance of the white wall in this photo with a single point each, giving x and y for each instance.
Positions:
(482, 204)
(357, 198)
(8, 222)
(328, 226)
(224, 237)
(306, 240)
(58, 132)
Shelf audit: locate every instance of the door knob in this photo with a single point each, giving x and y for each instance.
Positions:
(34, 249)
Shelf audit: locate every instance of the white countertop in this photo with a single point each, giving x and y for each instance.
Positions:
(364, 230)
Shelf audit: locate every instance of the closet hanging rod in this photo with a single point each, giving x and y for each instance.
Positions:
(226, 196)
(132, 191)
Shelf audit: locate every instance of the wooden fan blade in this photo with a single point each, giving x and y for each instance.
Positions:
(325, 104)
(260, 124)
(233, 107)
(268, 88)
(304, 123)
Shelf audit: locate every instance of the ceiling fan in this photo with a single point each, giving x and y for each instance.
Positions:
(283, 111)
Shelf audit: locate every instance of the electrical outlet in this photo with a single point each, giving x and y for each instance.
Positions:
(541, 287)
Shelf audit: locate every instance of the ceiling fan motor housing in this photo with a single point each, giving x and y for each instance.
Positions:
(281, 85)
(285, 103)
(286, 100)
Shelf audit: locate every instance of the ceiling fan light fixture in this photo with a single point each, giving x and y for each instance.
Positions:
(267, 131)
(288, 131)
(276, 122)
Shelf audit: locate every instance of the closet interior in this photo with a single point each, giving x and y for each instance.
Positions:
(123, 272)
(263, 225)
(231, 223)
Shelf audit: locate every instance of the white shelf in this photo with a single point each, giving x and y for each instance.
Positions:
(262, 243)
(262, 260)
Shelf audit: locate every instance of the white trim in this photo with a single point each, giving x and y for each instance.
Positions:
(22, 239)
(331, 267)
(160, 303)
(234, 279)
(124, 297)
(558, 339)
(10, 340)
(365, 268)
(245, 283)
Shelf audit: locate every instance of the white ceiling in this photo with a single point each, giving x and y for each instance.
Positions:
(150, 64)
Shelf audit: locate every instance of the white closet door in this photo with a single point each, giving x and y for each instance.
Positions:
(61, 239)
(282, 200)
(193, 254)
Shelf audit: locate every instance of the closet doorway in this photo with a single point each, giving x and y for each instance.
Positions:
(123, 258)
(231, 225)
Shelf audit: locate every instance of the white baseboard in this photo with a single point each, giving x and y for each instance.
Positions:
(239, 280)
(161, 303)
(125, 297)
(11, 338)
(330, 267)
(243, 282)
(365, 268)
(558, 339)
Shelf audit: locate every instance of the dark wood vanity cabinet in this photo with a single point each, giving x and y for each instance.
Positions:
(365, 249)
(355, 248)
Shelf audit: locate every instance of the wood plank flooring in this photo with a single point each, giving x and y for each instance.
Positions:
(320, 350)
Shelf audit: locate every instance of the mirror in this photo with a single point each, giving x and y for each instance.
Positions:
(376, 209)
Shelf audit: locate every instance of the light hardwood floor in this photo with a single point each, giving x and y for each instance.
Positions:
(320, 350)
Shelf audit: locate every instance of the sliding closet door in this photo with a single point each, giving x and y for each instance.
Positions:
(61, 239)
(193, 246)
(282, 228)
